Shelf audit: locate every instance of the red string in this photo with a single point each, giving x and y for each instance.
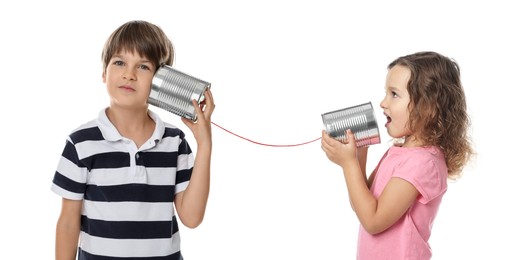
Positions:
(272, 145)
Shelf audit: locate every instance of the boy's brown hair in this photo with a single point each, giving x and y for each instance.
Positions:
(144, 38)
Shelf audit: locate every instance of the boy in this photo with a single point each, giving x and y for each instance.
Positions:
(122, 174)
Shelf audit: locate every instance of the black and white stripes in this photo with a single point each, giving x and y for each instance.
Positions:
(128, 192)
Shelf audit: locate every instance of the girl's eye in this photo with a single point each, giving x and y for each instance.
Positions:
(394, 94)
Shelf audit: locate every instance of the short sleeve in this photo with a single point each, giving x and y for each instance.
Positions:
(426, 172)
(70, 177)
(184, 166)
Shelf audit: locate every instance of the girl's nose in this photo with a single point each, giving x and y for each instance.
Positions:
(383, 104)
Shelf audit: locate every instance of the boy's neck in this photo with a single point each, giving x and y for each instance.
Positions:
(131, 123)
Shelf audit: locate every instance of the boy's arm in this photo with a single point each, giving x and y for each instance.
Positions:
(192, 202)
(68, 230)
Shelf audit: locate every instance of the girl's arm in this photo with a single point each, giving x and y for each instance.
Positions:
(192, 202)
(374, 214)
(68, 230)
(362, 155)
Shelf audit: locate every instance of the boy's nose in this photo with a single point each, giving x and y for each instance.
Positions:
(129, 74)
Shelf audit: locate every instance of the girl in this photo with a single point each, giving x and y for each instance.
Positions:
(425, 110)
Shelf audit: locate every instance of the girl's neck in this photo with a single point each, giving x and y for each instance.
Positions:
(412, 141)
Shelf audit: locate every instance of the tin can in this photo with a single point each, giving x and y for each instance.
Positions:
(359, 119)
(173, 91)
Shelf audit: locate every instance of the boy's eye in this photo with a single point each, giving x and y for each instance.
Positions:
(144, 67)
(118, 62)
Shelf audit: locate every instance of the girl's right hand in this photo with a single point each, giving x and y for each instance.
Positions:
(340, 153)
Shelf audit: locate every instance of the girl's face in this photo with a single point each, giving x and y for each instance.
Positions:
(128, 78)
(395, 102)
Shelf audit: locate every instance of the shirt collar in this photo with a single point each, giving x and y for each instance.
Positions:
(110, 133)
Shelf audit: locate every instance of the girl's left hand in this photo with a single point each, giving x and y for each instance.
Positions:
(201, 129)
(340, 153)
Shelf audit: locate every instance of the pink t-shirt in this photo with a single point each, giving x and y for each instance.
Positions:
(425, 168)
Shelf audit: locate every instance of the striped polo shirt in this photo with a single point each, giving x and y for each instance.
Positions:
(127, 192)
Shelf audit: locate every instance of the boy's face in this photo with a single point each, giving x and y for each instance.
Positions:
(128, 77)
(396, 102)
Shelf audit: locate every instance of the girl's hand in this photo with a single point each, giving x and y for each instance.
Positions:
(201, 129)
(340, 153)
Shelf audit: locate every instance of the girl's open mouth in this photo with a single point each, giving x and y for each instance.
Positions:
(388, 120)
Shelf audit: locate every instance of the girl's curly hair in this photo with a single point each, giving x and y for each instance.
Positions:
(438, 113)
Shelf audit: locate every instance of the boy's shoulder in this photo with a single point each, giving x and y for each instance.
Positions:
(90, 124)
(88, 130)
(172, 131)
(169, 130)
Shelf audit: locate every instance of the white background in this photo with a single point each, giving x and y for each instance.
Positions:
(275, 67)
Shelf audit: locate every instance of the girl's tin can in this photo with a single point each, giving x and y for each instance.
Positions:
(359, 119)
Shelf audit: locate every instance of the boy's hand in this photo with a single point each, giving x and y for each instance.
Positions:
(201, 129)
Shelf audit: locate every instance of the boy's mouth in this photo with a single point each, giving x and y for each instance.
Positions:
(127, 88)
